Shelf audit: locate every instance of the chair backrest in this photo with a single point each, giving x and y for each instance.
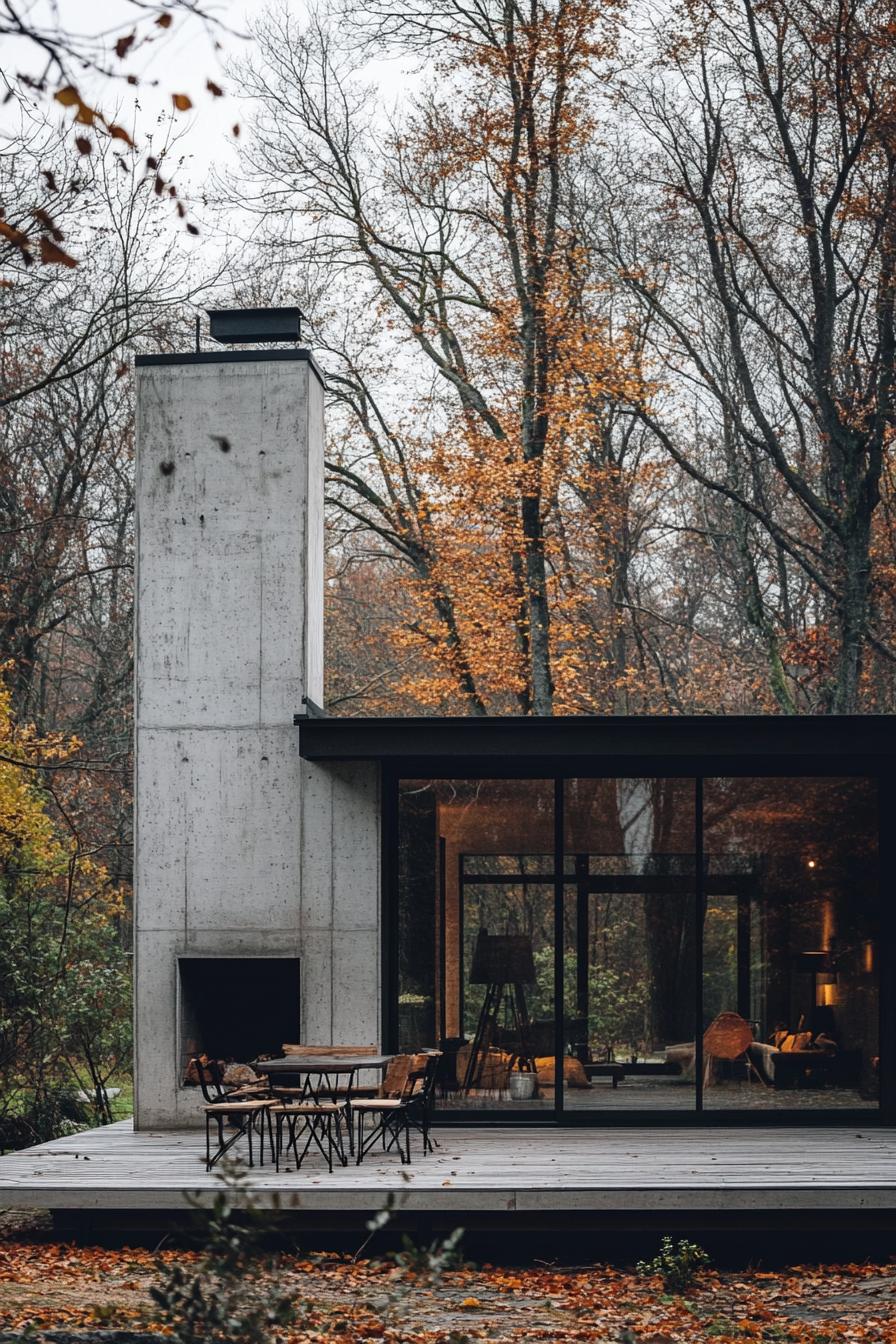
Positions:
(208, 1072)
(314, 1051)
(395, 1077)
(431, 1074)
(420, 1067)
(728, 1036)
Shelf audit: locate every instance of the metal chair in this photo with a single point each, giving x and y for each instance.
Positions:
(728, 1037)
(393, 1113)
(245, 1113)
(421, 1101)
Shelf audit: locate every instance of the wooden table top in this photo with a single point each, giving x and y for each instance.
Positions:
(321, 1063)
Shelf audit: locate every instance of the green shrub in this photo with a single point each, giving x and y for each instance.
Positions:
(228, 1294)
(677, 1264)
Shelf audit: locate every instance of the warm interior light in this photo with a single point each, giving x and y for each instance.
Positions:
(868, 957)
(810, 863)
(828, 925)
(825, 989)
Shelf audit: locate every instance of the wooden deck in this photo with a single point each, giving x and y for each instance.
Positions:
(488, 1170)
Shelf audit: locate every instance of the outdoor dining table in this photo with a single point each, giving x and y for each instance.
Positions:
(321, 1074)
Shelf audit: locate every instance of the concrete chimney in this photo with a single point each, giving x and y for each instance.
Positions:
(229, 640)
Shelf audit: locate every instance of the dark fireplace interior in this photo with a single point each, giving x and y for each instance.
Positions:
(237, 1008)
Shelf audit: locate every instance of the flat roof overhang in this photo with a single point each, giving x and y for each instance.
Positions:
(859, 742)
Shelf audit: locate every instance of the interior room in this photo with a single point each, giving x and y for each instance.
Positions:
(660, 944)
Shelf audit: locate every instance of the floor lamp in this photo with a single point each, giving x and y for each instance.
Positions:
(503, 963)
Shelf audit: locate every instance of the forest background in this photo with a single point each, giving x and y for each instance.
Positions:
(605, 299)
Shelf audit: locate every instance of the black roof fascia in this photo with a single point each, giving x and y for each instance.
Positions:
(512, 739)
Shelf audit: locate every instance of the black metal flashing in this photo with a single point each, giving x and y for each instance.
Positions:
(514, 740)
(312, 710)
(230, 357)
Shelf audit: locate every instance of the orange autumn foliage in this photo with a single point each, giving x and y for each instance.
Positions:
(492, 492)
(50, 1285)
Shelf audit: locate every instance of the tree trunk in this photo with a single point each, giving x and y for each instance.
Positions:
(852, 620)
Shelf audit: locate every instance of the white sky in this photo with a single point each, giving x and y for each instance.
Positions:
(179, 60)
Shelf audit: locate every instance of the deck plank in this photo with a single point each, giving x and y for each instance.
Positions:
(485, 1169)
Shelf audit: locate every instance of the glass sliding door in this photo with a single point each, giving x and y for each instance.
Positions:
(645, 945)
(476, 936)
(791, 931)
(630, 950)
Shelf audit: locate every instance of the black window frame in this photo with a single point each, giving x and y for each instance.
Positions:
(697, 768)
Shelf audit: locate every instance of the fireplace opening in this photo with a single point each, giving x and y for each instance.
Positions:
(237, 1008)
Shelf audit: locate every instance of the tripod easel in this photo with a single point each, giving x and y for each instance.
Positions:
(503, 963)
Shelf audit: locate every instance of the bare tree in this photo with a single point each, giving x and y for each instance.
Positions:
(763, 159)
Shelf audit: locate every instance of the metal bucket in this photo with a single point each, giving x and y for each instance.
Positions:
(521, 1086)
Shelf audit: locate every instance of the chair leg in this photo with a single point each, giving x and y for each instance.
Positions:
(321, 1132)
(224, 1146)
(292, 1128)
(339, 1145)
(753, 1069)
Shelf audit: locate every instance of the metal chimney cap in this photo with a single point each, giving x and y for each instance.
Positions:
(233, 326)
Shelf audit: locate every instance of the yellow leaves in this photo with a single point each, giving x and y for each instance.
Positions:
(28, 837)
(182, 102)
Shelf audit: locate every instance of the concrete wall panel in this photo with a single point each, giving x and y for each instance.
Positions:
(155, 1009)
(317, 987)
(340, 903)
(243, 828)
(314, 612)
(317, 848)
(356, 987)
(356, 846)
(160, 858)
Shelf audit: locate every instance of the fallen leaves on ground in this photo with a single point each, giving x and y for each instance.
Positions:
(46, 1285)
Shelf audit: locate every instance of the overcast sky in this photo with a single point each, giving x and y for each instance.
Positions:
(180, 60)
